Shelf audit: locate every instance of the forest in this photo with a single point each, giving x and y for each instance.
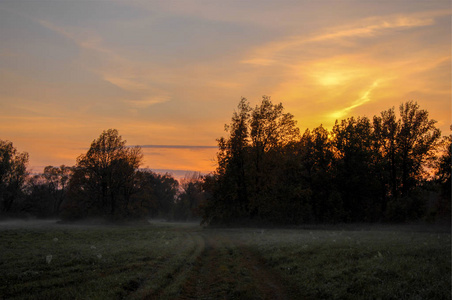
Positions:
(394, 167)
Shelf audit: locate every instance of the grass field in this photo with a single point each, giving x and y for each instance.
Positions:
(185, 261)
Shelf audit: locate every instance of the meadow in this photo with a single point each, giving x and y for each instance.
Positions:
(185, 261)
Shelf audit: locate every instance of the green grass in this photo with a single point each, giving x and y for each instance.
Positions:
(359, 264)
(137, 261)
(88, 262)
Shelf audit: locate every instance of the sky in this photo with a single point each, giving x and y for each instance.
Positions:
(169, 74)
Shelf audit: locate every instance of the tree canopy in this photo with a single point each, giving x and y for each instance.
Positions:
(362, 170)
(13, 172)
(105, 175)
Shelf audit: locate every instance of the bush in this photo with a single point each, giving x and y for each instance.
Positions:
(72, 212)
(408, 208)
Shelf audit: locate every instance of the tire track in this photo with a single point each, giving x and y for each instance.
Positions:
(218, 267)
(227, 269)
(169, 287)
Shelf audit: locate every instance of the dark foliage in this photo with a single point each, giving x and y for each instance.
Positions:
(45, 193)
(190, 199)
(104, 178)
(443, 166)
(360, 171)
(13, 173)
(155, 195)
(106, 182)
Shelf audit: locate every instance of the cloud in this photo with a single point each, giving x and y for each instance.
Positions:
(144, 103)
(145, 95)
(365, 97)
(273, 52)
(128, 84)
(56, 29)
(188, 157)
(190, 147)
(176, 173)
(373, 26)
(124, 73)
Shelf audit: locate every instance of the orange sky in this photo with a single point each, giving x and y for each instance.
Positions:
(172, 72)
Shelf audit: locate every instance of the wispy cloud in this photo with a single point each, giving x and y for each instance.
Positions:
(144, 103)
(191, 147)
(145, 95)
(177, 174)
(55, 28)
(365, 97)
(116, 69)
(128, 84)
(372, 27)
(271, 53)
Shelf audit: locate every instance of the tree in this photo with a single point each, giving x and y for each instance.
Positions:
(46, 192)
(190, 198)
(58, 180)
(13, 172)
(155, 194)
(105, 175)
(386, 128)
(443, 167)
(231, 188)
(316, 158)
(271, 131)
(406, 145)
(249, 166)
(417, 141)
(357, 169)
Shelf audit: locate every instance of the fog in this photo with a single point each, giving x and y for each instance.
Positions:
(444, 227)
(26, 223)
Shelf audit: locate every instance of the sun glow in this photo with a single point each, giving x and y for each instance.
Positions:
(334, 78)
(365, 97)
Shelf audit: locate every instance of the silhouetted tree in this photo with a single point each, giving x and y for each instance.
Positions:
(356, 168)
(190, 198)
(13, 172)
(105, 175)
(406, 146)
(156, 194)
(58, 180)
(443, 175)
(271, 130)
(39, 197)
(46, 192)
(386, 128)
(316, 161)
(358, 171)
(417, 140)
(247, 179)
(231, 189)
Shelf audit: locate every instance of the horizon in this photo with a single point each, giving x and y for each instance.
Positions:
(168, 74)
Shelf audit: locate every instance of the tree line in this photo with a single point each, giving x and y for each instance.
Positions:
(106, 182)
(388, 168)
(362, 170)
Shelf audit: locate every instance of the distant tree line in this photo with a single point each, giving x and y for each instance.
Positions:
(363, 170)
(388, 168)
(106, 182)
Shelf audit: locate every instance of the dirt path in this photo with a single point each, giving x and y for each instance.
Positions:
(227, 269)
